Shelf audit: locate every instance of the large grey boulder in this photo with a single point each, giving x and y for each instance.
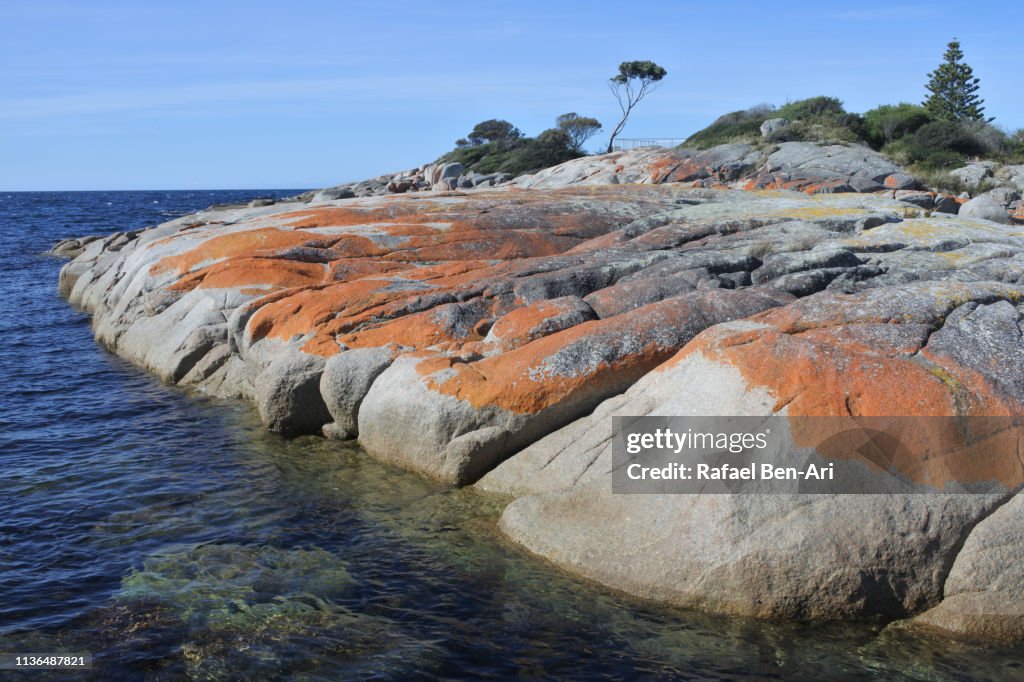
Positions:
(972, 174)
(345, 382)
(1015, 174)
(830, 161)
(403, 422)
(175, 336)
(446, 175)
(334, 193)
(1004, 196)
(773, 124)
(901, 181)
(288, 394)
(793, 556)
(984, 593)
(985, 208)
(944, 203)
(779, 555)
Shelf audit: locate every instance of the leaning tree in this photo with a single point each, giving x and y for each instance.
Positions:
(634, 81)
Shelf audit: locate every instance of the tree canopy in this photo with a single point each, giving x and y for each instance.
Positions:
(578, 128)
(634, 81)
(493, 130)
(953, 89)
(497, 146)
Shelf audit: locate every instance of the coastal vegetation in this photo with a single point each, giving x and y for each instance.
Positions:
(909, 134)
(497, 146)
(947, 130)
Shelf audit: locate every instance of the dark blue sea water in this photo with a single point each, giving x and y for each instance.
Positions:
(172, 538)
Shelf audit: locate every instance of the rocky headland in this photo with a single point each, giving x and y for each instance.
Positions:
(483, 330)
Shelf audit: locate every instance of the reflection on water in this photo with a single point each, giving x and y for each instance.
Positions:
(173, 538)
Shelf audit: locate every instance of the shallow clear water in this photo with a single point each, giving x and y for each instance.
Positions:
(171, 537)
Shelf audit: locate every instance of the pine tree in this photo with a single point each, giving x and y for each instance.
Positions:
(953, 86)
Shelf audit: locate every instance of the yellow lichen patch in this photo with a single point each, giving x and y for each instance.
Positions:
(945, 377)
(813, 212)
(924, 229)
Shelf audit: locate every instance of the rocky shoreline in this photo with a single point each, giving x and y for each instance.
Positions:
(484, 332)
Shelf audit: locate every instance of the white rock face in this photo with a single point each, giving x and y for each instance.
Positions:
(792, 556)
(984, 594)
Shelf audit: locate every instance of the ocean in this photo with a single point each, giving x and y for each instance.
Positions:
(166, 534)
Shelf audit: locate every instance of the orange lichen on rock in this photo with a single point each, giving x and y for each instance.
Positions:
(450, 273)
(303, 311)
(446, 327)
(331, 216)
(531, 322)
(592, 359)
(249, 272)
(810, 374)
(517, 381)
(349, 269)
(476, 244)
(662, 168)
(867, 355)
(240, 244)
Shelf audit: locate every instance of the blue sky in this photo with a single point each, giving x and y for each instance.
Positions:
(140, 95)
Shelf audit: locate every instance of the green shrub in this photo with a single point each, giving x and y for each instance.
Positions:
(736, 126)
(936, 145)
(822, 133)
(1015, 147)
(550, 148)
(942, 181)
(994, 142)
(816, 119)
(509, 152)
(941, 158)
(811, 108)
(824, 120)
(948, 135)
(469, 156)
(889, 122)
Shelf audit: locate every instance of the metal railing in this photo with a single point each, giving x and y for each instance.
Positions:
(623, 143)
